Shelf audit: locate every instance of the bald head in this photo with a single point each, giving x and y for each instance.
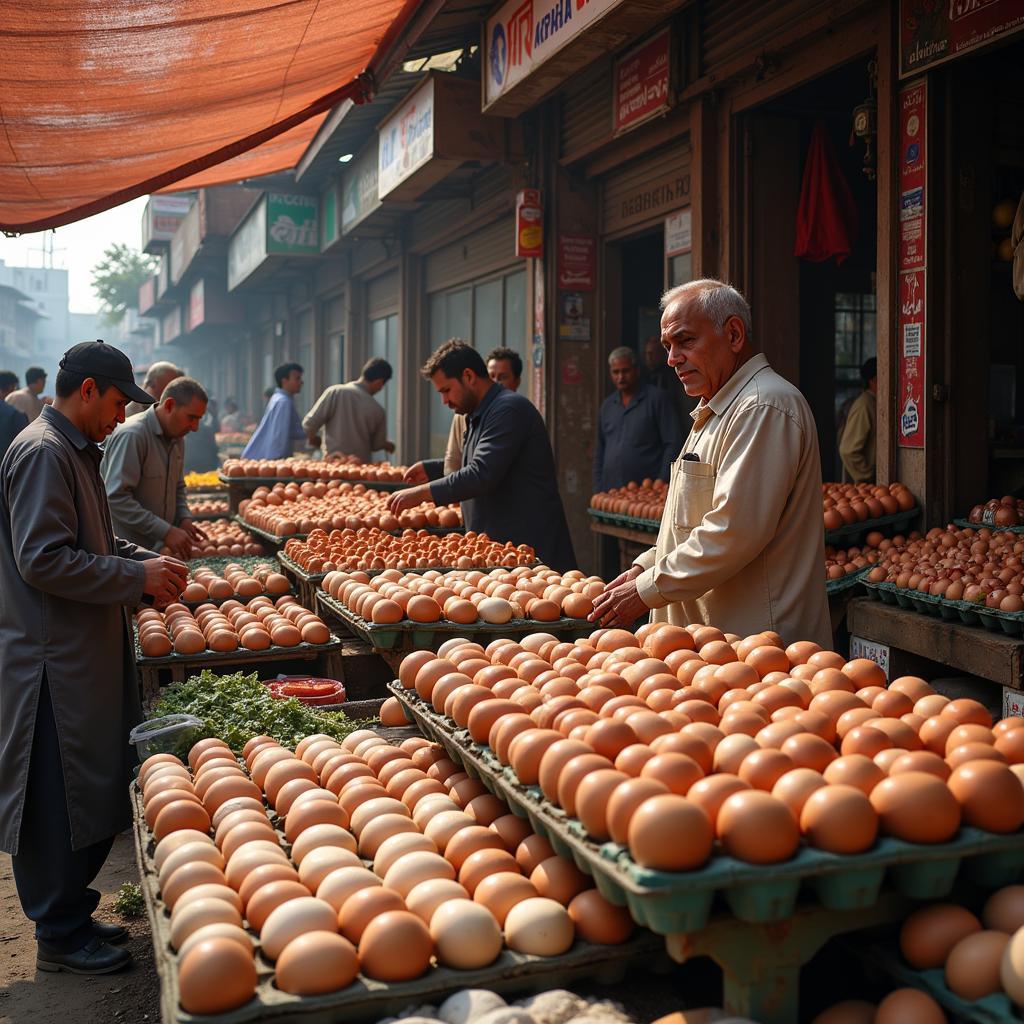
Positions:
(158, 376)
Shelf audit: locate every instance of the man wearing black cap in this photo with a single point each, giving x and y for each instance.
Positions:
(67, 672)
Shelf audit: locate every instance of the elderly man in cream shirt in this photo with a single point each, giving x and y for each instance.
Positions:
(741, 538)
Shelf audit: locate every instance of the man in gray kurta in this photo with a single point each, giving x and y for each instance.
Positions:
(68, 694)
(143, 470)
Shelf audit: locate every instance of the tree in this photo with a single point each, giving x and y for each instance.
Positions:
(116, 279)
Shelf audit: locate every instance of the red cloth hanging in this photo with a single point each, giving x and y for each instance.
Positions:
(826, 219)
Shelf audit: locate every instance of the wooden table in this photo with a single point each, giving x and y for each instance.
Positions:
(920, 645)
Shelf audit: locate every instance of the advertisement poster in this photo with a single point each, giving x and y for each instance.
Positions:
(406, 139)
(934, 31)
(576, 262)
(642, 82)
(910, 339)
(529, 224)
(679, 232)
(913, 157)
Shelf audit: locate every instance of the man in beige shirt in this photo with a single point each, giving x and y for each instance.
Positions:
(505, 367)
(26, 400)
(354, 422)
(158, 376)
(741, 538)
(857, 443)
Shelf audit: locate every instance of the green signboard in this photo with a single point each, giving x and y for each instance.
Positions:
(292, 225)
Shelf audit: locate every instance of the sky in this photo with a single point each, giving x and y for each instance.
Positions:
(78, 248)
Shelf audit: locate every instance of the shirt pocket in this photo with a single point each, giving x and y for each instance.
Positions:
(694, 493)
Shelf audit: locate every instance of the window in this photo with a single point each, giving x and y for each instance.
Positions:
(384, 343)
(855, 342)
(488, 314)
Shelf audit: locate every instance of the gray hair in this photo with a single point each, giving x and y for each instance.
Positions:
(715, 299)
(158, 370)
(184, 390)
(622, 352)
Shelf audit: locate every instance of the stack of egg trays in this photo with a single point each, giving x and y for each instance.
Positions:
(515, 974)
(678, 902)
(966, 524)
(854, 533)
(970, 613)
(886, 958)
(428, 636)
(632, 522)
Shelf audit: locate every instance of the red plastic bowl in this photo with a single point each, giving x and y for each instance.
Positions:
(308, 689)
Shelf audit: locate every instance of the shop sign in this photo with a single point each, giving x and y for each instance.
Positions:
(406, 139)
(529, 224)
(878, 653)
(247, 248)
(162, 216)
(330, 219)
(1013, 703)
(913, 175)
(526, 33)
(197, 304)
(574, 326)
(171, 325)
(678, 232)
(641, 82)
(359, 189)
(292, 224)
(576, 262)
(910, 330)
(935, 31)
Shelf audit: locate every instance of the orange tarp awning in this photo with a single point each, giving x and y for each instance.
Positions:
(105, 100)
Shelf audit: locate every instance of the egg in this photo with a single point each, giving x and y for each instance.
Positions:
(851, 1011)
(269, 897)
(598, 921)
(316, 963)
(500, 892)
(341, 883)
(795, 787)
(511, 829)
(247, 832)
(215, 976)
(559, 879)
(973, 965)
(916, 807)
(417, 866)
(229, 807)
(178, 815)
(209, 891)
(314, 812)
(442, 827)
(1011, 969)
(216, 931)
(171, 843)
(531, 851)
(854, 770)
(909, 1006)
(187, 877)
(477, 866)
(466, 935)
(930, 933)
(1004, 909)
(989, 794)
(251, 856)
(539, 927)
(293, 918)
(187, 853)
(320, 862)
(669, 833)
(426, 897)
(395, 946)
(839, 819)
(274, 871)
(363, 906)
(467, 841)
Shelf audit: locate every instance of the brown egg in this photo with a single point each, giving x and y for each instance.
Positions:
(284, 772)
(263, 874)
(990, 796)
(383, 827)
(414, 867)
(1010, 743)
(187, 877)
(531, 851)
(965, 710)
(669, 833)
(442, 827)
(794, 788)
(500, 892)
(763, 768)
(930, 933)
(395, 946)
(313, 812)
(559, 879)
(363, 906)
(854, 770)
(807, 750)
(187, 853)
(293, 918)
(251, 856)
(195, 914)
(850, 1011)
(574, 772)
(269, 898)
(319, 863)
(162, 799)
(553, 760)
(468, 841)
(623, 804)
(229, 788)
(916, 807)
(592, 798)
(321, 835)
(909, 1006)
(679, 772)
(171, 843)
(426, 897)
(477, 866)
(180, 814)
(511, 829)
(972, 968)
(598, 921)
(839, 819)
(217, 931)
(209, 891)
(919, 761)
(215, 976)
(1004, 909)
(527, 749)
(539, 927)
(316, 963)
(341, 883)
(755, 827)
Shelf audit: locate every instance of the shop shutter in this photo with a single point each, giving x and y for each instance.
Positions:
(586, 112)
(647, 189)
(476, 255)
(494, 187)
(382, 295)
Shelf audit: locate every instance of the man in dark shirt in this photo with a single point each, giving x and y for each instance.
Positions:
(12, 422)
(507, 482)
(638, 432)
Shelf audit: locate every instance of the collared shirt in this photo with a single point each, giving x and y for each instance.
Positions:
(26, 402)
(742, 538)
(857, 445)
(507, 482)
(278, 431)
(143, 471)
(635, 441)
(354, 422)
(456, 439)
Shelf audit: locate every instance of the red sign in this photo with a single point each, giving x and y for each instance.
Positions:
(910, 327)
(934, 31)
(642, 79)
(913, 175)
(529, 224)
(576, 262)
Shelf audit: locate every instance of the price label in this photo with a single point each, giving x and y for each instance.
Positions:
(1013, 703)
(878, 653)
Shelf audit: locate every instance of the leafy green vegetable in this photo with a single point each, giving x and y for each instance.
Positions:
(237, 707)
(129, 901)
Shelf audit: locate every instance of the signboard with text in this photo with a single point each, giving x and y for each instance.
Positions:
(911, 313)
(247, 248)
(406, 139)
(642, 82)
(576, 262)
(935, 31)
(197, 304)
(526, 33)
(679, 232)
(292, 224)
(162, 216)
(359, 196)
(529, 224)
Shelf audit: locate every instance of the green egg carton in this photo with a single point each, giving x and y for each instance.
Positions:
(968, 525)
(675, 902)
(887, 959)
(854, 533)
(630, 522)
(848, 582)
(970, 613)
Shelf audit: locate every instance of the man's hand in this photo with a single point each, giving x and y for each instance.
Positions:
(313, 440)
(164, 579)
(389, 447)
(194, 531)
(620, 604)
(178, 541)
(416, 474)
(409, 498)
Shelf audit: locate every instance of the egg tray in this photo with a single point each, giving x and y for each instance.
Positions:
(848, 582)
(366, 999)
(630, 522)
(970, 613)
(218, 563)
(886, 958)
(854, 533)
(674, 902)
(210, 659)
(269, 481)
(428, 636)
(966, 524)
(281, 539)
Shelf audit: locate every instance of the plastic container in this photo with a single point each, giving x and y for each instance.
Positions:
(172, 734)
(310, 690)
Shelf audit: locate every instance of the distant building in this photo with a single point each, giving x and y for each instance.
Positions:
(19, 347)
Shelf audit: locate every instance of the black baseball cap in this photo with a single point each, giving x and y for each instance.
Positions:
(98, 359)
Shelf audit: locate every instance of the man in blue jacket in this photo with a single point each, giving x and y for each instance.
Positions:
(507, 481)
(280, 428)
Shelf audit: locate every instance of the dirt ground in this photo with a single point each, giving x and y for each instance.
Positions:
(28, 996)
